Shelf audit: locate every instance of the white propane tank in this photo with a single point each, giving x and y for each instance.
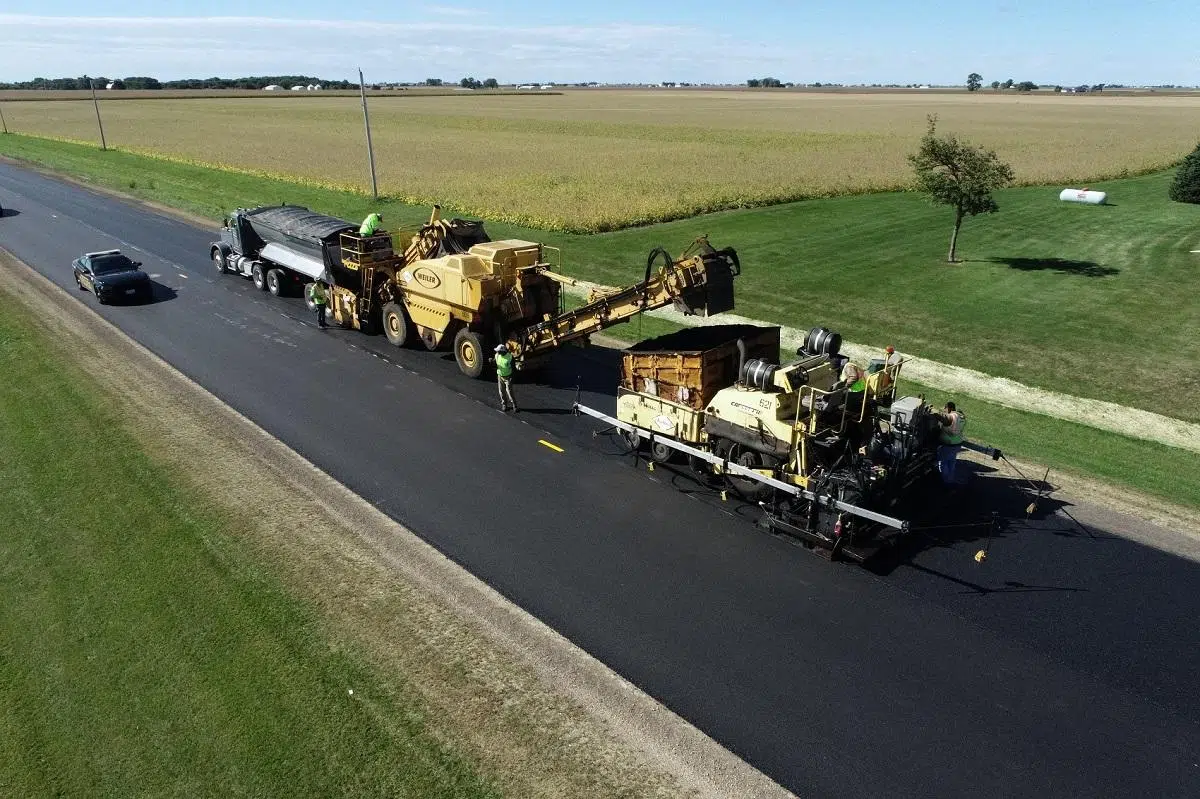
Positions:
(1086, 196)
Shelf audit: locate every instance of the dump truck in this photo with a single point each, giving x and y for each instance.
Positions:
(281, 248)
(447, 284)
(828, 464)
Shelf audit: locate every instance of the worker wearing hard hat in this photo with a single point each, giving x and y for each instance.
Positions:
(370, 225)
(504, 375)
(954, 422)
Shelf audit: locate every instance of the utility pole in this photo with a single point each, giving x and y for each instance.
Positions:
(2, 122)
(96, 103)
(362, 90)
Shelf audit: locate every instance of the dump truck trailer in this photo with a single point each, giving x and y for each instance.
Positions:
(281, 248)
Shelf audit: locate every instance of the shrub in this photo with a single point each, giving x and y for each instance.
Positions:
(1186, 186)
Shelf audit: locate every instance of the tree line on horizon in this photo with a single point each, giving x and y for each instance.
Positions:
(143, 83)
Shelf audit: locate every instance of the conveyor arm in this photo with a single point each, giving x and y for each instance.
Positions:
(697, 284)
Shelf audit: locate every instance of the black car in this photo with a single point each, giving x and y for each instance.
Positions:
(111, 276)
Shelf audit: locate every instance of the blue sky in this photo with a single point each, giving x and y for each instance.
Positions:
(701, 41)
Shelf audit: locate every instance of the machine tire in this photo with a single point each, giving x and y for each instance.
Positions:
(751, 459)
(661, 453)
(396, 325)
(218, 258)
(275, 283)
(631, 440)
(470, 351)
(259, 277)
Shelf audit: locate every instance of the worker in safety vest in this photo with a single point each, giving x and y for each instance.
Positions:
(954, 422)
(370, 225)
(319, 297)
(504, 375)
(853, 377)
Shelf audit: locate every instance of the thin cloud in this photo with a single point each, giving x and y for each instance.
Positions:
(454, 11)
(176, 47)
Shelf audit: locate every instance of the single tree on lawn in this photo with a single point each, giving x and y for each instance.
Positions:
(974, 81)
(960, 175)
(1186, 186)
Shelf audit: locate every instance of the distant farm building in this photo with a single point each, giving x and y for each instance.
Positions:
(274, 87)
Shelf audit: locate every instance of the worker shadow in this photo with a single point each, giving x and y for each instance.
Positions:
(1063, 266)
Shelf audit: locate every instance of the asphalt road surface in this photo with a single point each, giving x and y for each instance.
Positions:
(1067, 665)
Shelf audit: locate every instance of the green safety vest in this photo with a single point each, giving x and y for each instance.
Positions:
(504, 364)
(954, 434)
(370, 225)
(317, 293)
(858, 385)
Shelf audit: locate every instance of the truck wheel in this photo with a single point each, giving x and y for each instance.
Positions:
(470, 352)
(395, 324)
(275, 283)
(219, 261)
(256, 274)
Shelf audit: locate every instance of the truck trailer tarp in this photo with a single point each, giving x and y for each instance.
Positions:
(300, 230)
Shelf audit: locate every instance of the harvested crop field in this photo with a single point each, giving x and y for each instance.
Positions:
(592, 160)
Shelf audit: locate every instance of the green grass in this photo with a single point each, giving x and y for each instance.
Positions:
(1144, 466)
(145, 652)
(1099, 302)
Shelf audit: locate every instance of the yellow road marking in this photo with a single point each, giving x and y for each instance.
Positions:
(546, 443)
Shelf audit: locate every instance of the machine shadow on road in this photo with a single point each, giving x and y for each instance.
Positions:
(593, 370)
(6, 212)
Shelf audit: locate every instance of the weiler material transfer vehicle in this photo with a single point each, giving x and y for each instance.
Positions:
(447, 283)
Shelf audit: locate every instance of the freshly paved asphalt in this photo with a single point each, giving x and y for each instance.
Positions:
(1067, 665)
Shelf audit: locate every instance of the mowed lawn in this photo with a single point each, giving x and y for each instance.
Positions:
(1101, 302)
(144, 650)
(589, 160)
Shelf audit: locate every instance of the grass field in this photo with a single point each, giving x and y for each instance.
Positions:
(145, 651)
(1095, 301)
(598, 160)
